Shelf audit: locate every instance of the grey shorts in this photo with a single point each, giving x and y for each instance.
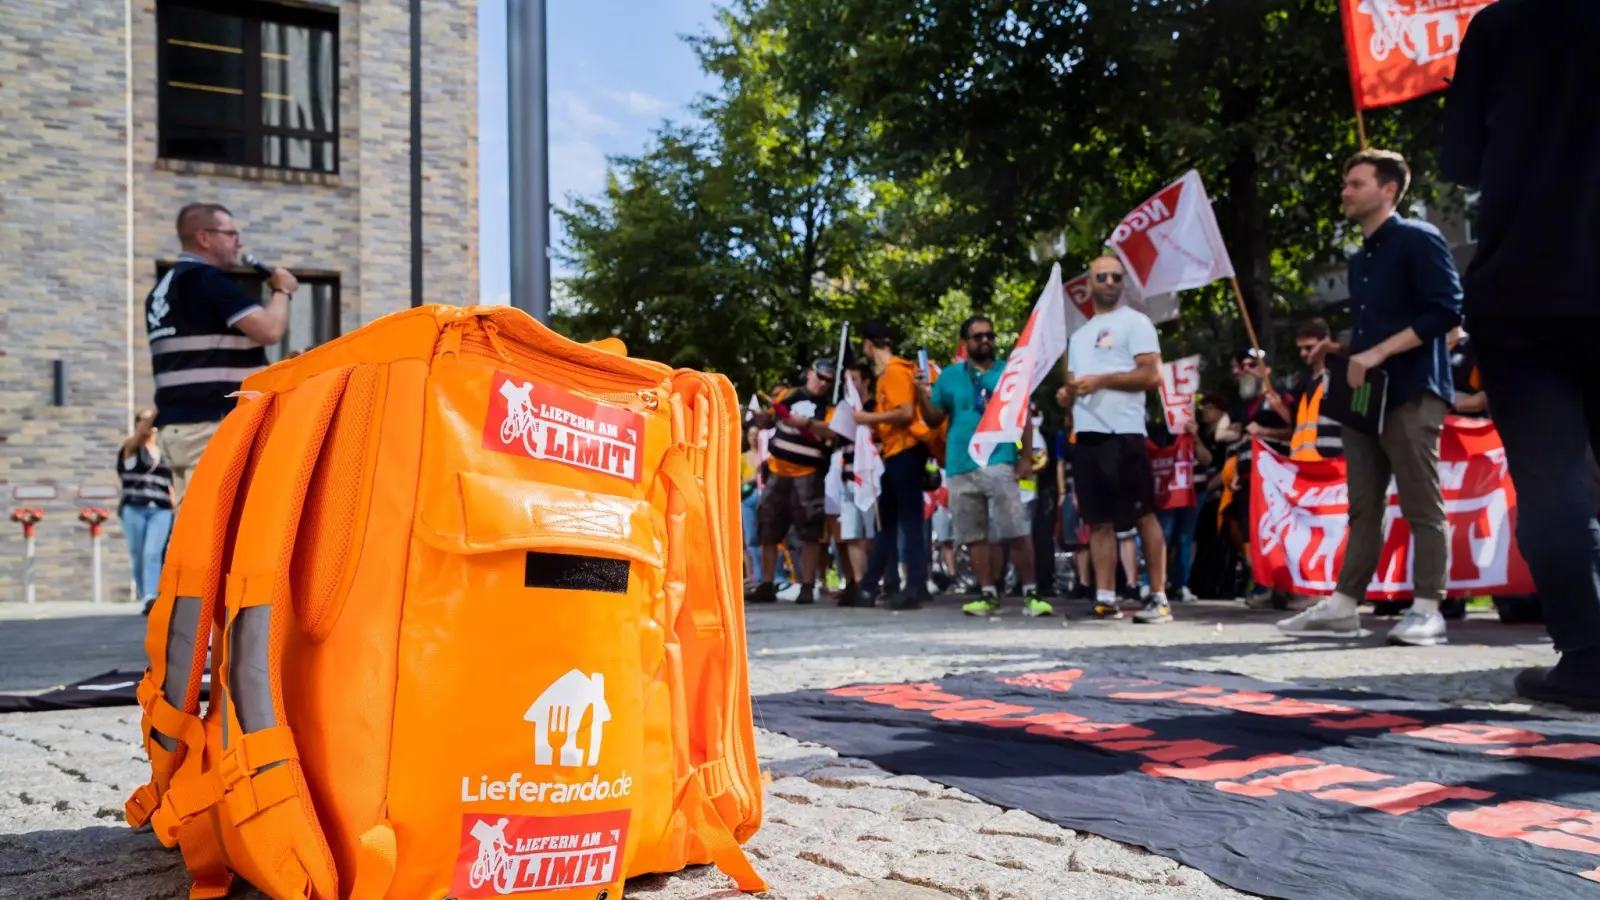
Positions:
(941, 525)
(855, 523)
(987, 505)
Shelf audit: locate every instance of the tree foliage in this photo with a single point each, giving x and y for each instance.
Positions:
(919, 159)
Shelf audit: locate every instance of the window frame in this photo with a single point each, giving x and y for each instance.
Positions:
(254, 131)
(252, 282)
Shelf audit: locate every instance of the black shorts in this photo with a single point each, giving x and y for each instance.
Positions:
(791, 502)
(1113, 480)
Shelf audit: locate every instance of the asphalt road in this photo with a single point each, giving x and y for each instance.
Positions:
(65, 645)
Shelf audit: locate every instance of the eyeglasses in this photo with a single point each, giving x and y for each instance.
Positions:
(980, 335)
(225, 232)
(1108, 277)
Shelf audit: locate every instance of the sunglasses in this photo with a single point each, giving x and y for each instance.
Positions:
(980, 335)
(1109, 277)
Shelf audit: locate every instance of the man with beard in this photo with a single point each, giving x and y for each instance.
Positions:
(1113, 360)
(985, 501)
(1405, 297)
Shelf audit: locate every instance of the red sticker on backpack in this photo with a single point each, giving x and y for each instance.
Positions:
(543, 422)
(503, 855)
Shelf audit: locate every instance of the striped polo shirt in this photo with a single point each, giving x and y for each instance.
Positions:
(197, 354)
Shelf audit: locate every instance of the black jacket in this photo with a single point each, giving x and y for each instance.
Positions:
(1523, 124)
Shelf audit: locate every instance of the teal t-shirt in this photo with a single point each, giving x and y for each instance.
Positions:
(954, 394)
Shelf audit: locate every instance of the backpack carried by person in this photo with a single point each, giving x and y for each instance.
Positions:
(471, 596)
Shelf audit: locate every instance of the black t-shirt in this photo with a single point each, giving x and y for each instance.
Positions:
(197, 354)
(1463, 366)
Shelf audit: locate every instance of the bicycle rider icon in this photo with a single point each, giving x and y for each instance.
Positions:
(492, 849)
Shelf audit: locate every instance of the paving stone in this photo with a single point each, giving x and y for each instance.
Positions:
(1020, 853)
(1017, 823)
(799, 790)
(884, 890)
(956, 812)
(955, 874)
(916, 784)
(837, 776)
(861, 859)
(1096, 854)
(878, 800)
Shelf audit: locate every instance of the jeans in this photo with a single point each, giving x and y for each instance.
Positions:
(147, 529)
(1178, 525)
(903, 537)
(1543, 382)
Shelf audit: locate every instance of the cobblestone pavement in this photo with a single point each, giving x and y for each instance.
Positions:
(835, 828)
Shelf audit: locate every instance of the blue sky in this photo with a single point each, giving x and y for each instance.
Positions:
(617, 68)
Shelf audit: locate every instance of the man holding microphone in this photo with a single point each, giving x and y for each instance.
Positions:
(206, 335)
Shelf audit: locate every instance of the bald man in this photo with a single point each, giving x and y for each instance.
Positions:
(1112, 361)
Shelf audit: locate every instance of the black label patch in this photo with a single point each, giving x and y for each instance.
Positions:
(565, 572)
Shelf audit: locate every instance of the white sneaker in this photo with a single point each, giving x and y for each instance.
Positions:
(1323, 620)
(1185, 595)
(1418, 629)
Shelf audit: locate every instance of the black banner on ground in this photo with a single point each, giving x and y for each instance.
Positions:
(115, 688)
(1282, 791)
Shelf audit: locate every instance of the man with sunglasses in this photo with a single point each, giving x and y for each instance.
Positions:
(795, 496)
(1113, 361)
(206, 335)
(984, 501)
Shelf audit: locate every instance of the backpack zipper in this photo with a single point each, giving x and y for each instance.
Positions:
(481, 338)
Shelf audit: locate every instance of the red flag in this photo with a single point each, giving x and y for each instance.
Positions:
(1173, 467)
(1171, 242)
(1400, 49)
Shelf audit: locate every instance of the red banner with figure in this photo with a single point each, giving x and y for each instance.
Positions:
(1400, 49)
(1299, 513)
(1174, 470)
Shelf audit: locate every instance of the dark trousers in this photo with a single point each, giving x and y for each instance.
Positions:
(1543, 382)
(901, 535)
(1044, 542)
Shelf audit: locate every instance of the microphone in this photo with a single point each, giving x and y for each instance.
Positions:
(250, 260)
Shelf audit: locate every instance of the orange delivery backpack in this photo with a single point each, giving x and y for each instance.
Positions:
(471, 597)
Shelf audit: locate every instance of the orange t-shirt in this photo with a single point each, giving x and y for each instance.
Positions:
(896, 386)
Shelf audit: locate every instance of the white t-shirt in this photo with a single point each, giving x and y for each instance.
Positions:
(1106, 345)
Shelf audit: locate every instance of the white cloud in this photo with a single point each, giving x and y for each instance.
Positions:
(575, 115)
(639, 103)
(577, 166)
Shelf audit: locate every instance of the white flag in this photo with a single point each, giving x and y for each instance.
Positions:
(868, 465)
(1043, 341)
(1171, 242)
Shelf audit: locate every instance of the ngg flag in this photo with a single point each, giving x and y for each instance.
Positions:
(1299, 512)
(1400, 49)
(1171, 241)
(1043, 341)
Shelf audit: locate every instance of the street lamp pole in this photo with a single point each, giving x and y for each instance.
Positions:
(529, 157)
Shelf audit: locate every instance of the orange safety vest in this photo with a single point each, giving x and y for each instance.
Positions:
(1303, 445)
(472, 598)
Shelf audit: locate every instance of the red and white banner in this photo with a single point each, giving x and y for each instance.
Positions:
(1171, 242)
(1400, 49)
(1180, 381)
(1080, 304)
(1299, 513)
(1043, 342)
(1174, 470)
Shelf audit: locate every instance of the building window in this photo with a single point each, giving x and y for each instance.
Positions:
(313, 310)
(250, 84)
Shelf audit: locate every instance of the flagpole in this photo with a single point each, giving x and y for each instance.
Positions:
(1361, 127)
(1244, 313)
(838, 370)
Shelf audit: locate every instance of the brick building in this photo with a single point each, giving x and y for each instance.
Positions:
(115, 113)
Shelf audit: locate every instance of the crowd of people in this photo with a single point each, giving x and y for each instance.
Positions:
(1071, 511)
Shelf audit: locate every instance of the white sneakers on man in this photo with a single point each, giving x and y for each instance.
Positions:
(1338, 616)
(1419, 629)
(1330, 617)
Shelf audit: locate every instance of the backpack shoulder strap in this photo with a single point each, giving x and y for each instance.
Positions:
(257, 782)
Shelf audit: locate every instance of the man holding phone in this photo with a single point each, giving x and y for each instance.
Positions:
(984, 500)
(902, 536)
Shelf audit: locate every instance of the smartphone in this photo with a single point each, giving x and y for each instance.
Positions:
(922, 361)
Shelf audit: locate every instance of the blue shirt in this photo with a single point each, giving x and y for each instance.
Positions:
(954, 394)
(1404, 277)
